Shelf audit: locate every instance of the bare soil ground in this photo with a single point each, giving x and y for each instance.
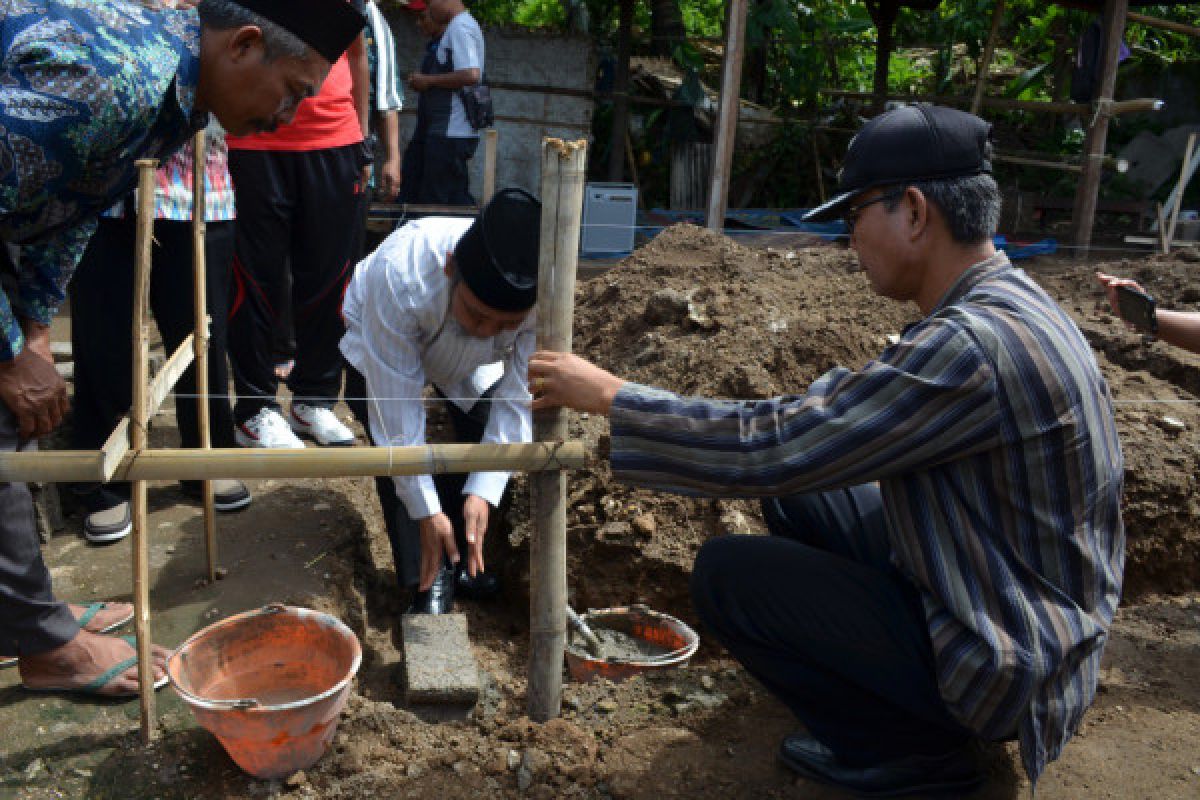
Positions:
(695, 312)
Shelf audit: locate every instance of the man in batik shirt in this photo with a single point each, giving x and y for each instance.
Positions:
(87, 87)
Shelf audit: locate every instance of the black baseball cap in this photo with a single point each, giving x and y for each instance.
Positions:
(327, 26)
(913, 143)
(498, 255)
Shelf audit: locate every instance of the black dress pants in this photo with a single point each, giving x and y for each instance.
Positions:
(819, 615)
(299, 215)
(404, 532)
(101, 307)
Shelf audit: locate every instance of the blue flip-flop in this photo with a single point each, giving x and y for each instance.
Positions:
(94, 687)
(90, 613)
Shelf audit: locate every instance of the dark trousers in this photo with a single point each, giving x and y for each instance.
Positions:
(818, 614)
(444, 177)
(31, 620)
(403, 531)
(102, 305)
(299, 215)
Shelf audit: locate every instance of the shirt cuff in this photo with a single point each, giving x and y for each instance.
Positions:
(488, 485)
(419, 503)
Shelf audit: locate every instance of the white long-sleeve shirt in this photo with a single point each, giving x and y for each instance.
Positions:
(401, 336)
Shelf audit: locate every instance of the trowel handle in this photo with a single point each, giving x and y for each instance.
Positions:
(579, 625)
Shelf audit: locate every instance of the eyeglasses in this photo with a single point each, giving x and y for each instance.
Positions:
(853, 212)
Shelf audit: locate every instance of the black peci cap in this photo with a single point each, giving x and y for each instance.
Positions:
(327, 26)
(909, 144)
(498, 255)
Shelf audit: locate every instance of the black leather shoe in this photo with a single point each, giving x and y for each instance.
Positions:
(439, 598)
(483, 586)
(952, 774)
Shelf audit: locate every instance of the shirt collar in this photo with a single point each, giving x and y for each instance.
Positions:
(971, 277)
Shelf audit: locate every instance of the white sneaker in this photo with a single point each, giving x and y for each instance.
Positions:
(321, 424)
(266, 429)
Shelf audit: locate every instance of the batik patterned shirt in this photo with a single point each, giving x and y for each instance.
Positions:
(990, 431)
(87, 87)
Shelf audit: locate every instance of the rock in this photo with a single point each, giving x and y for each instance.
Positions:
(36, 769)
(573, 703)
(460, 768)
(414, 770)
(614, 531)
(666, 306)
(524, 779)
(296, 780)
(322, 507)
(1171, 424)
(645, 525)
(607, 706)
(734, 521)
(512, 760)
(708, 682)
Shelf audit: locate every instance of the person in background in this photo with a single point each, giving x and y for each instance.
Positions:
(449, 140)
(414, 154)
(102, 304)
(300, 192)
(946, 551)
(116, 81)
(447, 302)
(1180, 328)
(387, 100)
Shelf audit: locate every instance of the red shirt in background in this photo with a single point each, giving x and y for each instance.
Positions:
(324, 121)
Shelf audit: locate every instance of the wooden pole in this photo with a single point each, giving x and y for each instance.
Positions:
(1097, 135)
(985, 60)
(235, 462)
(489, 165)
(1135, 105)
(1164, 24)
(137, 434)
(620, 94)
(564, 168)
(727, 113)
(1185, 175)
(200, 336)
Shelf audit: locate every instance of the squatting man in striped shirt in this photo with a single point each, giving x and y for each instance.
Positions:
(447, 302)
(947, 548)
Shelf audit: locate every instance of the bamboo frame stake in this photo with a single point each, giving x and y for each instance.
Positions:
(564, 167)
(728, 105)
(200, 336)
(1084, 215)
(489, 165)
(139, 420)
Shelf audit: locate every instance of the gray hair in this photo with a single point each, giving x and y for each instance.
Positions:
(278, 41)
(970, 206)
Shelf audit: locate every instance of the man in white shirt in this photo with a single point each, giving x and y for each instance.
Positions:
(447, 302)
(449, 139)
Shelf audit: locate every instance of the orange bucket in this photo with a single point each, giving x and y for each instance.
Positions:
(269, 684)
(663, 630)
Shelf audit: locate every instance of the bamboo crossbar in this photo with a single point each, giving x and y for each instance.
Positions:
(236, 462)
(166, 378)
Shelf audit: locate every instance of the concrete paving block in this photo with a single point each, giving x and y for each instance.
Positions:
(439, 666)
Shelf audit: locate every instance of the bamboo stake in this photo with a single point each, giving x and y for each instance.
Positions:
(139, 419)
(1084, 214)
(200, 336)
(236, 462)
(166, 378)
(1185, 175)
(985, 60)
(564, 166)
(489, 165)
(728, 105)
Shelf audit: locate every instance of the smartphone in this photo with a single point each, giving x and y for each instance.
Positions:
(1137, 308)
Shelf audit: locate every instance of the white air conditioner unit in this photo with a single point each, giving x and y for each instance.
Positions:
(609, 218)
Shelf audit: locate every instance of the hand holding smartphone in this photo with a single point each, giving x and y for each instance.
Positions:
(1137, 308)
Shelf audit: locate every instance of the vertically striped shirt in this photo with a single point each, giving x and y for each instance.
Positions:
(173, 184)
(991, 433)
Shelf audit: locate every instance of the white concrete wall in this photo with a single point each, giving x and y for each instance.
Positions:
(527, 58)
